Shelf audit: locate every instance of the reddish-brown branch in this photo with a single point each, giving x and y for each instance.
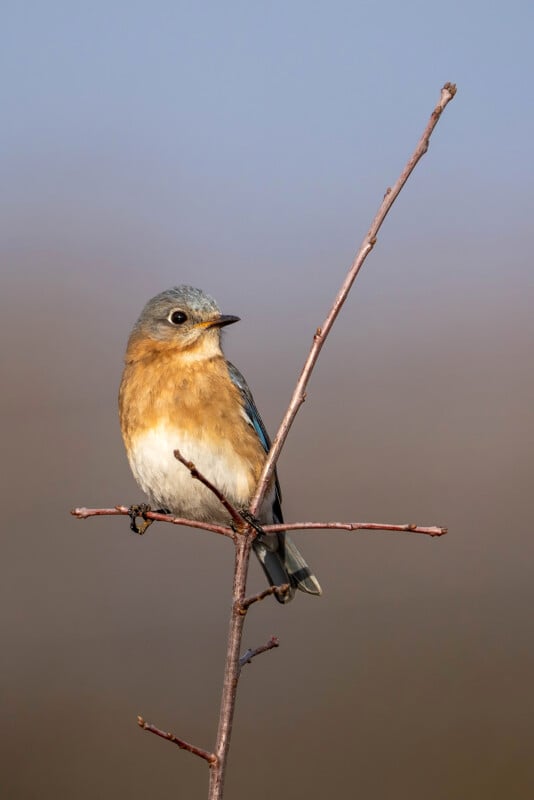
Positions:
(243, 546)
(238, 520)
(248, 655)
(85, 513)
(431, 530)
(255, 598)
(211, 758)
(447, 93)
(243, 540)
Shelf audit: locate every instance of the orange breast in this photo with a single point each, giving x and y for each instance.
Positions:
(197, 398)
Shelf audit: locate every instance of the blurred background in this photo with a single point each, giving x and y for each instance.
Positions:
(244, 148)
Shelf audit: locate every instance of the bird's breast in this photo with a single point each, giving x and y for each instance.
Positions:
(169, 483)
(199, 412)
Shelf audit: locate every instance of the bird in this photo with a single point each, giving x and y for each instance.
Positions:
(179, 392)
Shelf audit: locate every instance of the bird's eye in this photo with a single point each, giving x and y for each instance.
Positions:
(177, 317)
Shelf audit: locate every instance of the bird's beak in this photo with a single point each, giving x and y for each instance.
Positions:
(218, 322)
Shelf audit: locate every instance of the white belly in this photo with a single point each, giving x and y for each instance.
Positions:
(169, 484)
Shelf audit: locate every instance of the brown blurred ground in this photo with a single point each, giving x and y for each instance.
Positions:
(412, 676)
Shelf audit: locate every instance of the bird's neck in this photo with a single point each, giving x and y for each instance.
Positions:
(146, 350)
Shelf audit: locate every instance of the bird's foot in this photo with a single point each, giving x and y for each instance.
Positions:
(136, 511)
(252, 520)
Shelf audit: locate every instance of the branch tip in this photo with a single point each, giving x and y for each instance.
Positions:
(279, 591)
(211, 758)
(428, 530)
(247, 656)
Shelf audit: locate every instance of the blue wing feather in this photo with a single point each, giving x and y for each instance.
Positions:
(255, 420)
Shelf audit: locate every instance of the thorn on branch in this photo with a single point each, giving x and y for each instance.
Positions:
(247, 656)
(211, 758)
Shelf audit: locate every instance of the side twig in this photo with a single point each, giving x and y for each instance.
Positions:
(123, 511)
(211, 758)
(237, 519)
(280, 591)
(248, 655)
(299, 394)
(430, 530)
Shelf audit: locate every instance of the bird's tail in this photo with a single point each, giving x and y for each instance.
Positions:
(283, 563)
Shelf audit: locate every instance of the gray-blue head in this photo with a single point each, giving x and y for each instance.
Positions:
(182, 316)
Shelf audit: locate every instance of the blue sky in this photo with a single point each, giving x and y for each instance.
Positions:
(222, 125)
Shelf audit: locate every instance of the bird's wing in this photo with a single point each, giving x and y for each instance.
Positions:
(252, 415)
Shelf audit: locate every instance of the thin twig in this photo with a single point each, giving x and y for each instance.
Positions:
(248, 655)
(211, 758)
(431, 530)
(447, 93)
(239, 521)
(85, 513)
(280, 591)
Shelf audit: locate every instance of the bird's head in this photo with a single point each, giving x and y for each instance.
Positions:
(181, 318)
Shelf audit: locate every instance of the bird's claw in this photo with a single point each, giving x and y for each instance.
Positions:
(136, 511)
(251, 519)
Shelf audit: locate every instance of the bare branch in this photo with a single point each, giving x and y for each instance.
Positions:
(431, 530)
(447, 93)
(211, 758)
(243, 543)
(238, 520)
(85, 513)
(280, 591)
(243, 546)
(248, 655)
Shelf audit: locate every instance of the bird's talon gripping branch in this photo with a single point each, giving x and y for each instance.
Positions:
(251, 519)
(136, 511)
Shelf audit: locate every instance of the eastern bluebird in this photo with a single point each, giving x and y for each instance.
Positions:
(179, 392)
